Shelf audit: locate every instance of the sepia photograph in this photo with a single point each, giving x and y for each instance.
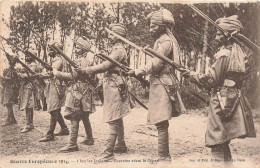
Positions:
(129, 84)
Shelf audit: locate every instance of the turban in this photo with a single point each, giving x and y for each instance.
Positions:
(162, 17)
(118, 28)
(230, 24)
(82, 42)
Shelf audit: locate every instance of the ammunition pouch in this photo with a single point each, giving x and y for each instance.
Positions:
(122, 87)
(73, 106)
(229, 98)
(72, 114)
(172, 91)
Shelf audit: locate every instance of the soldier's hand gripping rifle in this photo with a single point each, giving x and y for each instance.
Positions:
(124, 68)
(121, 66)
(47, 66)
(153, 53)
(237, 37)
(28, 70)
(82, 78)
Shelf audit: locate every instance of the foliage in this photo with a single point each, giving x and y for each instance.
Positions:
(90, 19)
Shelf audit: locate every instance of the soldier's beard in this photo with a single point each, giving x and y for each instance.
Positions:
(158, 33)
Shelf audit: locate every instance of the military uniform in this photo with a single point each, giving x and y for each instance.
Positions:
(27, 93)
(40, 85)
(220, 129)
(229, 114)
(9, 94)
(55, 95)
(78, 106)
(116, 98)
(164, 98)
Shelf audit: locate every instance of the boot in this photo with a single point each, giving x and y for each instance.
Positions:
(217, 156)
(44, 104)
(108, 153)
(50, 134)
(120, 147)
(163, 142)
(38, 104)
(227, 156)
(27, 128)
(64, 129)
(72, 147)
(10, 116)
(89, 140)
(31, 118)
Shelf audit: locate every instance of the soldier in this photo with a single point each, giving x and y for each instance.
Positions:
(55, 91)
(9, 93)
(79, 100)
(229, 114)
(39, 84)
(116, 100)
(27, 93)
(164, 99)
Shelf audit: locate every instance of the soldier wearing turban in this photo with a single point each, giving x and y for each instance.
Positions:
(229, 114)
(116, 98)
(164, 98)
(27, 93)
(10, 84)
(55, 94)
(79, 99)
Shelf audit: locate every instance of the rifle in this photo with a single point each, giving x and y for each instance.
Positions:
(237, 37)
(82, 78)
(153, 53)
(16, 59)
(47, 66)
(122, 67)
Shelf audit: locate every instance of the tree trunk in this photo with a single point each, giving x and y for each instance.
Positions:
(205, 45)
(118, 5)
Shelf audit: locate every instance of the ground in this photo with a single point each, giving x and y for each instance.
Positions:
(186, 143)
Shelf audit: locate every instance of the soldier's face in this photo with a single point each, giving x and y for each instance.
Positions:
(79, 51)
(220, 38)
(155, 30)
(113, 39)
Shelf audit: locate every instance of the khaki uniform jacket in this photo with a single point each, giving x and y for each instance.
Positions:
(55, 91)
(40, 85)
(9, 94)
(27, 91)
(80, 95)
(114, 106)
(164, 98)
(218, 130)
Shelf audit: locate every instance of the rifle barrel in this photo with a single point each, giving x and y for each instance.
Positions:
(19, 61)
(245, 41)
(47, 66)
(65, 56)
(124, 39)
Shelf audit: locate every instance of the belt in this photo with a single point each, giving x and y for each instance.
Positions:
(109, 73)
(226, 83)
(160, 75)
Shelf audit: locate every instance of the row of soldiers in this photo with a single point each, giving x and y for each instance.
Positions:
(227, 108)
